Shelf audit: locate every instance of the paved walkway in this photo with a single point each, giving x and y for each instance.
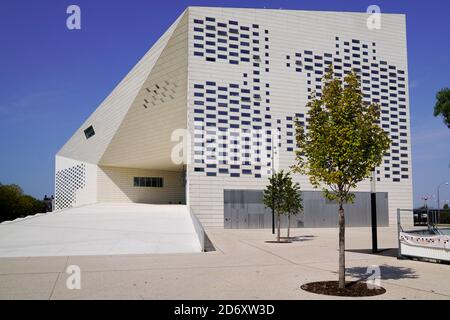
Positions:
(101, 229)
(243, 267)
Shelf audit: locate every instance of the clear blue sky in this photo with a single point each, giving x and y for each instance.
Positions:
(52, 79)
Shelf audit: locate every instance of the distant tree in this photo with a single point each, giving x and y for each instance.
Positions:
(293, 202)
(275, 196)
(341, 146)
(446, 206)
(442, 106)
(15, 204)
(9, 201)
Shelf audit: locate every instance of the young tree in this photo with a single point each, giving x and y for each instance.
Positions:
(341, 146)
(274, 196)
(442, 106)
(293, 202)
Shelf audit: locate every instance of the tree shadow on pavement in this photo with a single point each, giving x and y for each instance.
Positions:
(389, 252)
(299, 238)
(386, 272)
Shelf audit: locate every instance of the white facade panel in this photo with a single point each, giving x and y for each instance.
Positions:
(143, 139)
(276, 58)
(107, 118)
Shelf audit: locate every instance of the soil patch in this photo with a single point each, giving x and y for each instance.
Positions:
(352, 289)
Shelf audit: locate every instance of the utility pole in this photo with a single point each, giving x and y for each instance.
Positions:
(273, 172)
(373, 207)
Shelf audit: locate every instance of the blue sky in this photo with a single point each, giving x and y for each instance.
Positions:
(52, 79)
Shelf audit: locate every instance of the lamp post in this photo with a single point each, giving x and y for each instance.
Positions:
(273, 171)
(438, 204)
(373, 209)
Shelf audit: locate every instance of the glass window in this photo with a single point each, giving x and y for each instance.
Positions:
(89, 132)
(155, 182)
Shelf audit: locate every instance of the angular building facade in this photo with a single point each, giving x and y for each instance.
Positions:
(233, 82)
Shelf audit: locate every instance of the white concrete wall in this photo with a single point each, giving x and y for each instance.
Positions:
(109, 115)
(133, 130)
(75, 183)
(144, 137)
(115, 184)
(290, 32)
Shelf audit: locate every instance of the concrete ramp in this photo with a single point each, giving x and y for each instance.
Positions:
(102, 229)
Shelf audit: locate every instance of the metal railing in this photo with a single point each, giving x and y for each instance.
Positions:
(420, 235)
(405, 222)
(431, 217)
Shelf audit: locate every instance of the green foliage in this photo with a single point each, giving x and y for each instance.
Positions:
(15, 204)
(283, 196)
(275, 192)
(343, 143)
(446, 206)
(442, 106)
(341, 146)
(293, 203)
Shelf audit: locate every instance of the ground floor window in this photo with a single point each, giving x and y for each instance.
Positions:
(155, 182)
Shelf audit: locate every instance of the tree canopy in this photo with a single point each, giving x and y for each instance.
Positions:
(293, 198)
(15, 204)
(442, 106)
(343, 143)
(274, 193)
(293, 203)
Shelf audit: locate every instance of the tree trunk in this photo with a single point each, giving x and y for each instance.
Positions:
(289, 226)
(341, 247)
(278, 227)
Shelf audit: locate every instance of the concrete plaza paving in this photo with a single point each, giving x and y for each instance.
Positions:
(100, 229)
(244, 266)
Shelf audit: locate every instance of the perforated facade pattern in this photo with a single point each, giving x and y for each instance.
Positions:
(251, 74)
(382, 83)
(67, 183)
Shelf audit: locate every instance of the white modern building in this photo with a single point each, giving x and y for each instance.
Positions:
(236, 80)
